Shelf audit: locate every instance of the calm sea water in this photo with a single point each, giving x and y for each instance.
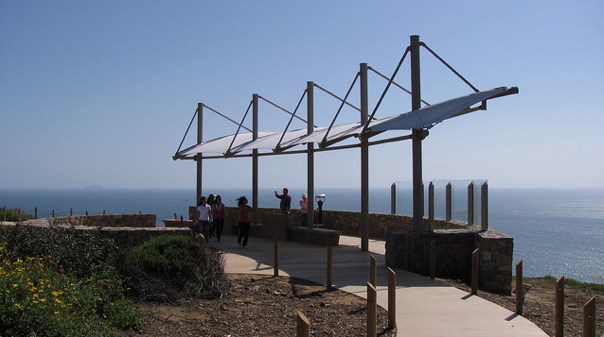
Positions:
(556, 231)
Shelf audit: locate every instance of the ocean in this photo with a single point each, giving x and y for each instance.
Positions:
(556, 231)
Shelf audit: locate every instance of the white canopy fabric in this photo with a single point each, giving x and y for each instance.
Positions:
(415, 119)
(434, 114)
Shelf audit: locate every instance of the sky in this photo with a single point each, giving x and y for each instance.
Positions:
(101, 92)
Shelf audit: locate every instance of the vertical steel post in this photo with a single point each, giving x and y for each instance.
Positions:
(310, 154)
(431, 206)
(393, 198)
(416, 137)
(255, 157)
(198, 156)
(471, 203)
(449, 202)
(364, 220)
(519, 290)
(484, 206)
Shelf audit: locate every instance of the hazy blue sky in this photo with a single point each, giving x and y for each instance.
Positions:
(101, 92)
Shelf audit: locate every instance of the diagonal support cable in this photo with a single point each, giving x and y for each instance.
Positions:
(225, 117)
(396, 84)
(175, 156)
(448, 66)
(343, 100)
(291, 118)
(281, 108)
(356, 77)
(240, 126)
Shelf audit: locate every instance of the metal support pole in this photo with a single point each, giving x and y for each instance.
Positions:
(255, 157)
(431, 206)
(198, 159)
(484, 206)
(310, 155)
(471, 203)
(416, 137)
(449, 202)
(364, 220)
(393, 198)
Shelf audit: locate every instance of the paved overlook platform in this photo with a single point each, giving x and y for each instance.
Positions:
(424, 307)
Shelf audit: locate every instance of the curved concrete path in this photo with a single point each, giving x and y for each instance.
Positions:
(424, 307)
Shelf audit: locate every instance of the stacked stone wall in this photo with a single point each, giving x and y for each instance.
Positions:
(107, 220)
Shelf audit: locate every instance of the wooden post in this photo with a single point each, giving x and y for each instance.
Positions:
(475, 256)
(519, 290)
(433, 259)
(302, 325)
(71, 212)
(448, 202)
(391, 299)
(431, 206)
(36, 212)
(471, 203)
(53, 213)
(484, 207)
(371, 310)
(4, 212)
(559, 315)
(86, 213)
(276, 258)
(18, 215)
(372, 270)
(329, 267)
(175, 217)
(103, 212)
(589, 318)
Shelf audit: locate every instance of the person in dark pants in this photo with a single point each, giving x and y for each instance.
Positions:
(218, 215)
(245, 220)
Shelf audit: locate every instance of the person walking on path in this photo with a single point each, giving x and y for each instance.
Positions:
(304, 209)
(245, 219)
(218, 214)
(286, 201)
(204, 217)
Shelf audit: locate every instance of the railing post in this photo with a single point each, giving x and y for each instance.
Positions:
(475, 256)
(53, 213)
(18, 215)
(393, 198)
(36, 212)
(71, 212)
(372, 270)
(519, 289)
(391, 299)
(175, 217)
(484, 206)
(589, 318)
(302, 325)
(433, 259)
(471, 203)
(431, 206)
(371, 310)
(559, 313)
(448, 202)
(329, 267)
(276, 258)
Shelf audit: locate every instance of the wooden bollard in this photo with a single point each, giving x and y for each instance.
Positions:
(18, 215)
(36, 213)
(276, 258)
(391, 299)
(589, 318)
(372, 270)
(519, 289)
(302, 325)
(329, 283)
(371, 310)
(475, 256)
(71, 211)
(103, 212)
(53, 213)
(433, 259)
(86, 213)
(559, 314)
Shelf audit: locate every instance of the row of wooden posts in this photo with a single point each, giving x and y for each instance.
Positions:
(303, 324)
(53, 213)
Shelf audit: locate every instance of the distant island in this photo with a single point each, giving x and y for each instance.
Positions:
(93, 187)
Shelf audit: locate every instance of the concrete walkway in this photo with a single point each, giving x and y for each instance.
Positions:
(424, 307)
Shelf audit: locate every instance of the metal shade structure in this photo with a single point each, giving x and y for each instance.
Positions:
(320, 138)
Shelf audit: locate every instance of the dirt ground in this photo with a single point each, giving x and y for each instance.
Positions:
(261, 305)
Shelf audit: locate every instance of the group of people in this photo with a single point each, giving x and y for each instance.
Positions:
(210, 217)
(211, 213)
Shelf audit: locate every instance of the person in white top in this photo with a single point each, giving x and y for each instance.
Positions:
(204, 218)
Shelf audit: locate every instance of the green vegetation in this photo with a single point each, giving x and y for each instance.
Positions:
(568, 282)
(62, 282)
(13, 215)
(170, 268)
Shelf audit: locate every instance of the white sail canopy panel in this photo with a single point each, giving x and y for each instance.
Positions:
(434, 114)
(318, 135)
(221, 145)
(270, 141)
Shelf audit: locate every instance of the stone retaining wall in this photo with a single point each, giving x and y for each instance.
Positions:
(107, 220)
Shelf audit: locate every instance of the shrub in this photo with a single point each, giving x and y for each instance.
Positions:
(38, 300)
(171, 267)
(82, 253)
(13, 215)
